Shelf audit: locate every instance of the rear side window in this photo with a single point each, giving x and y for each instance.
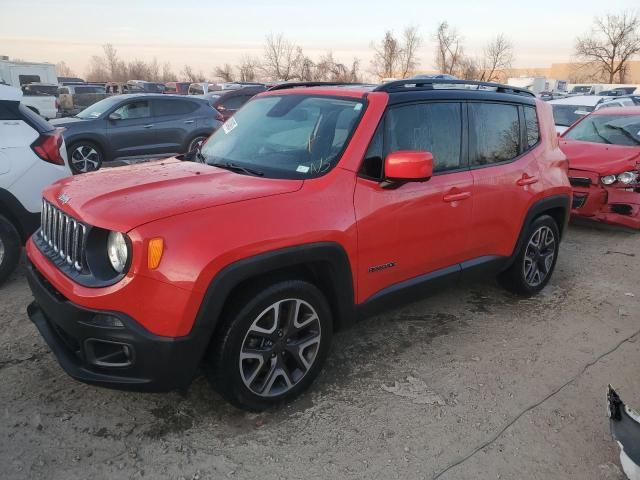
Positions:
(9, 110)
(174, 107)
(431, 127)
(494, 133)
(533, 128)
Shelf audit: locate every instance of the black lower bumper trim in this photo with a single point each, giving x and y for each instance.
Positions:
(153, 363)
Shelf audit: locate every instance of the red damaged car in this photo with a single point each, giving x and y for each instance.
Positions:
(603, 150)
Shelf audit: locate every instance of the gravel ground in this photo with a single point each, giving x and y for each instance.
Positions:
(471, 383)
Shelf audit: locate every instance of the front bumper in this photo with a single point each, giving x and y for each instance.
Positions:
(126, 357)
(612, 205)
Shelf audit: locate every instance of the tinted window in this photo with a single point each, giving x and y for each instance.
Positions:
(610, 129)
(234, 103)
(533, 129)
(9, 110)
(196, 90)
(173, 107)
(494, 133)
(63, 91)
(28, 79)
(132, 110)
(372, 163)
(90, 89)
(432, 127)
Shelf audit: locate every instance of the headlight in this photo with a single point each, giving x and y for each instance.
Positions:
(118, 251)
(608, 180)
(627, 177)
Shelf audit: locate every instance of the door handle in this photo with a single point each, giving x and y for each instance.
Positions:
(148, 126)
(189, 121)
(456, 197)
(526, 180)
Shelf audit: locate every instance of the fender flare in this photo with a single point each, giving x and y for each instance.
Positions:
(329, 254)
(553, 202)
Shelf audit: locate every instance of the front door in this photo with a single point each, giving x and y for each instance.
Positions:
(133, 133)
(419, 227)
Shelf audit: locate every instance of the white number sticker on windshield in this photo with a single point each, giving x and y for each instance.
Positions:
(302, 169)
(229, 125)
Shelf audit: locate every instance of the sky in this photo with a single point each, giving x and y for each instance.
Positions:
(207, 33)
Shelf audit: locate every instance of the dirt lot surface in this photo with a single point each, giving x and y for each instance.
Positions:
(471, 383)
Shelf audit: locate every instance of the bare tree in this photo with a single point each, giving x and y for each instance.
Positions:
(117, 68)
(386, 56)
(167, 73)
(63, 70)
(498, 57)
(97, 70)
(191, 76)
(449, 50)
(225, 73)
(247, 70)
(612, 42)
(468, 69)
(280, 58)
(411, 42)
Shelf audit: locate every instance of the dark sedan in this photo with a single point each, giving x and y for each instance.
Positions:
(228, 102)
(137, 124)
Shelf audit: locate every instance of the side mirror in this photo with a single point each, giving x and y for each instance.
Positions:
(407, 166)
(115, 116)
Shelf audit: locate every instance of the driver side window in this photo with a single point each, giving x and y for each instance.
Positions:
(133, 110)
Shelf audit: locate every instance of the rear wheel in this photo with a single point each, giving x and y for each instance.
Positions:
(85, 157)
(273, 345)
(9, 248)
(534, 264)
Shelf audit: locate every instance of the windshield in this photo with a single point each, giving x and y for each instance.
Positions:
(288, 136)
(98, 108)
(610, 129)
(583, 89)
(566, 115)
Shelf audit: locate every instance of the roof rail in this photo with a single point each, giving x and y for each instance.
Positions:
(286, 85)
(428, 84)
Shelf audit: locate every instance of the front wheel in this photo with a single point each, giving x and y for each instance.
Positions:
(196, 143)
(536, 260)
(273, 345)
(85, 157)
(9, 248)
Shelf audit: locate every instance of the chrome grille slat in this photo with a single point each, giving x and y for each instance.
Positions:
(64, 235)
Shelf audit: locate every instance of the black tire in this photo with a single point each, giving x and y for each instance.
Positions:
(10, 246)
(521, 277)
(282, 375)
(196, 141)
(85, 156)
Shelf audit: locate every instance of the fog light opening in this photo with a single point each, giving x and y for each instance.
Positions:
(106, 321)
(103, 353)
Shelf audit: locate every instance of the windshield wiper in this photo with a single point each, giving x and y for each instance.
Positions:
(625, 133)
(238, 169)
(595, 129)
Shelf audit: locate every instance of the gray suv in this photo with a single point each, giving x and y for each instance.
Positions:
(133, 125)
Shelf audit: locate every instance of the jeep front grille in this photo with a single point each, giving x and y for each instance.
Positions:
(64, 236)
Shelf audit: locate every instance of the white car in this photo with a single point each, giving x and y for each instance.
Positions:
(567, 111)
(32, 156)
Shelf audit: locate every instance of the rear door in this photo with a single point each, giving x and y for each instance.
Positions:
(504, 144)
(418, 227)
(134, 133)
(175, 121)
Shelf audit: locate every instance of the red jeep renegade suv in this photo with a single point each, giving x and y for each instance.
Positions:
(313, 205)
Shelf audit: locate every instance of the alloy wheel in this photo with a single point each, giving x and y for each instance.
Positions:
(280, 347)
(85, 159)
(196, 143)
(2, 251)
(539, 256)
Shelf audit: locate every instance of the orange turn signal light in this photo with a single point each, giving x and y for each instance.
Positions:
(156, 249)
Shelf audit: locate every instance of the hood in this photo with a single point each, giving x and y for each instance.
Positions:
(68, 121)
(126, 197)
(600, 158)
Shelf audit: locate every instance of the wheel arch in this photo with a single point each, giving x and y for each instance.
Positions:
(556, 206)
(24, 221)
(325, 264)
